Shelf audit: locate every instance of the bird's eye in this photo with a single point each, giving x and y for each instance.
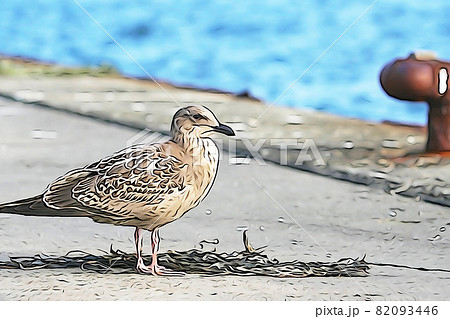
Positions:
(197, 117)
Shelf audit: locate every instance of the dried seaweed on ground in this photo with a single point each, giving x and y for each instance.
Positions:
(250, 262)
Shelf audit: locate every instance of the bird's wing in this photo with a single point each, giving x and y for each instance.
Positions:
(129, 184)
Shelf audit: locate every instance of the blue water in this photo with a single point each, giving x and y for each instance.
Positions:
(255, 46)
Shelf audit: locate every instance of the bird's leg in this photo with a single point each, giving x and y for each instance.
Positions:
(140, 266)
(155, 268)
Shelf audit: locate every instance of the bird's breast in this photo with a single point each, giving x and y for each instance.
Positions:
(202, 173)
(204, 166)
(198, 176)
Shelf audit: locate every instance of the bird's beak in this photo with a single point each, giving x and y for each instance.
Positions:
(224, 129)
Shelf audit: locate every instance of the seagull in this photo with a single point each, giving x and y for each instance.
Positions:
(144, 186)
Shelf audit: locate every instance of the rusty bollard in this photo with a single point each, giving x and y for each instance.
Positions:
(423, 78)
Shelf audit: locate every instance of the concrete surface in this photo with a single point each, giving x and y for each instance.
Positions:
(335, 219)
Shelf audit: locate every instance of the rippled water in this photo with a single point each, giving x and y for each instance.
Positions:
(255, 46)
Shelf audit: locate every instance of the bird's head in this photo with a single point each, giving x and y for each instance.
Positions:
(197, 122)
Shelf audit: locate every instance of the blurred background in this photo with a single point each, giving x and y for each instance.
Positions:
(252, 46)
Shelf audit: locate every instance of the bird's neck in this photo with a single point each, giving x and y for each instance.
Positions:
(200, 148)
(185, 140)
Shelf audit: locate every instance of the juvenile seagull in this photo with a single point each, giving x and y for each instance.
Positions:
(144, 186)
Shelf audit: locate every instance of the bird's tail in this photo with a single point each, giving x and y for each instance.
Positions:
(35, 206)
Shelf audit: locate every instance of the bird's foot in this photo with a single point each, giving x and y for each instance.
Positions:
(158, 270)
(141, 268)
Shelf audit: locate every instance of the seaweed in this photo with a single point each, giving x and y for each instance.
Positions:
(249, 262)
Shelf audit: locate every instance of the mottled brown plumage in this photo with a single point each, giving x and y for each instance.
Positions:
(144, 186)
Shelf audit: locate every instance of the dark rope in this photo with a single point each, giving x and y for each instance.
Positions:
(407, 267)
(250, 262)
